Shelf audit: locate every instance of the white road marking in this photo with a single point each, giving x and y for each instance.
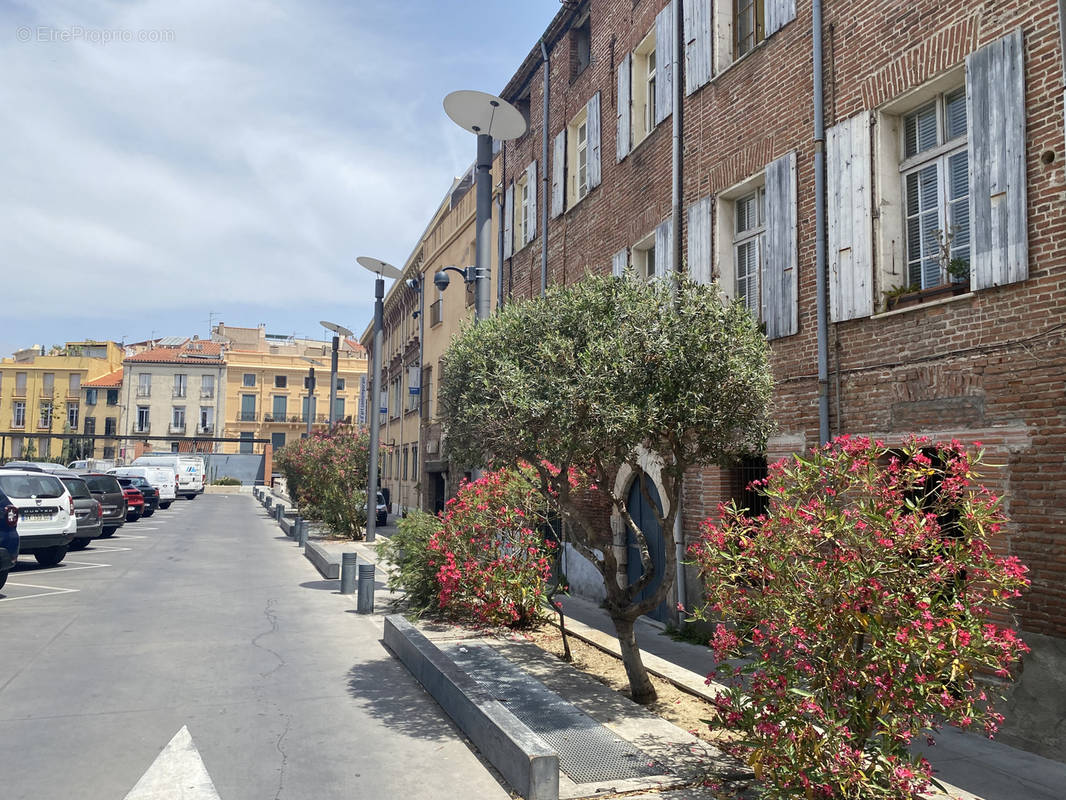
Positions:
(177, 772)
(84, 565)
(52, 590)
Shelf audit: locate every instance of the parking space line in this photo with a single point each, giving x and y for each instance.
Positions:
(53, 590)
(84, 565)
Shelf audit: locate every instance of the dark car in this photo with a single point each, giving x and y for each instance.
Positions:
(112, 500)
(9, 537)
(382, 515)
(87, 509)
(151, 494)
(134, 503)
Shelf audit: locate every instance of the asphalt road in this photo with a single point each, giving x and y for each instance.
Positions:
(205, 618)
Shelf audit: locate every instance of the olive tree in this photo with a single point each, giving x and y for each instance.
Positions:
(605, 373)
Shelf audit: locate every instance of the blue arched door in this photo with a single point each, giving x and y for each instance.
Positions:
(646, 520)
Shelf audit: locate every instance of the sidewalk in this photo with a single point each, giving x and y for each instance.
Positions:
(974, 768)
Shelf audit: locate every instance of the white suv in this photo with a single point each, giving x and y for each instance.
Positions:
(47, 523)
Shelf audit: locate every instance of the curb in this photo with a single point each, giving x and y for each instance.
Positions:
(328, 565)
(522, 757)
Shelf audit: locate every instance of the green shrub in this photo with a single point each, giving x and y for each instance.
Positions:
(226, 480)
(415, 567)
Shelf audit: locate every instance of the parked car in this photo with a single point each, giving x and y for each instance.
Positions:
(151, 494)
(134, 503)
(383, 510)
(87, 510)
(189, 469)
(164, 479)
(46, 523)
(92, 465)
(105, 488)
(9, 537)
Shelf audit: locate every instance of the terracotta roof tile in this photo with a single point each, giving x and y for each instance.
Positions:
(190, 352)
(112, 380)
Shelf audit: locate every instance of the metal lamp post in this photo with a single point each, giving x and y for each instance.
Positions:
(382, 270)
(310, 391)
(489, 117)
(338, 332)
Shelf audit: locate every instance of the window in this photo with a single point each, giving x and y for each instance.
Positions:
(748, 25)
(277, 441)
(20, 384)
(49, 384)
(207, 386)
(340, 384)
(309, 382)
(577, 135)
(936, 191)
(281, 407)
(207, 419)
(74, 384)
(414, 462)
(522, 211)
(16, 447)
(749, 224)
(177, 419)
(90, 425)
(18, 414)
(580, 47)
(308, 413)
(249, 379)
(644, 258)
(143, 419)
(72, 416)
(180, 385)
(90, 397)
(338, 410)
(247, 445)
(110, 426)
(109, 451)
(144, 384)
(643, 106)
(112, 397)
(45, 449)
(247, 413)
(45, 420)
(281, 381)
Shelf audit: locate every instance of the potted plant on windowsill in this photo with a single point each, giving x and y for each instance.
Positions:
(956, 273)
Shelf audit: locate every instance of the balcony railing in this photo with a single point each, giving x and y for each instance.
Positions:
(205, 428)
(47, 391)
(179, 393)
(19, 425)
(20, 391)
(207, 394)
(246, 416)
(176, 427)
(144, 391)
(146, 428)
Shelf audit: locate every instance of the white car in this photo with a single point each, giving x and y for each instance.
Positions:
(165, 479)
(189, 469)
(47, 523)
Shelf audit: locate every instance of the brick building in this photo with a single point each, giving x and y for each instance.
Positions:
(683, 136)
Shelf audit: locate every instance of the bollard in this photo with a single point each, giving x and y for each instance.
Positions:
(269, 500)
(348, 565)
(294, 529)
(302, 533)
(364, 604)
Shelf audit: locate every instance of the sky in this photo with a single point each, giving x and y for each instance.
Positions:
(165, 164)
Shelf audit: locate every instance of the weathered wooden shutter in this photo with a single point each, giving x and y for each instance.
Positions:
(850, 219)
(531, 222)
(619, 263)
(995, 113)
(559, 173)
(697, 21)
(664, 249)
(593, 110)
(778, 13)
(508, 216)
(665, 34)
(624, 129)
(699, 240)
(780, 312)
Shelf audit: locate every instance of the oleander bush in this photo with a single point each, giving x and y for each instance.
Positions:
(866, 609)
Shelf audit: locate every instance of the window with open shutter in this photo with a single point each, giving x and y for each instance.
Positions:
(558, 173)
(697, 24)
(665, 27)
(850, 219)
(508, 212)
(779, 13)
(619, 263)
(664, 249)
(593, 108)
(779, 279)
(699, 240)
(529, 211)
(623, 130)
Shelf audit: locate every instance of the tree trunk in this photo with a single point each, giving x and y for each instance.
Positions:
(640, 685)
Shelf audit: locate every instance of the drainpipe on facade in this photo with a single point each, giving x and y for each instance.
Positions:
(675, 205)
(545, 184)
(499, 235)
(1062, 48)
(820, 226)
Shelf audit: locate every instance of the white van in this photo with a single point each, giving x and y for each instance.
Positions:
(189, 469)
(92, 465)
(165, 479)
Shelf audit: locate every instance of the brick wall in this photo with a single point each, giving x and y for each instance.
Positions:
(990, 366)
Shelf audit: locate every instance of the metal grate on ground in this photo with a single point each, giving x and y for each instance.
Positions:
(588, 752)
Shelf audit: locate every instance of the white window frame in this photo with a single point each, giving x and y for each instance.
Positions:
(757, 11)
(144, 419)
(18, 414)
(577, 151)
(520, 211)
(207, 418)
(207, 386)
(144, 384)
(727, 239)
(181, 384)
(890, 168)
(642, 107)
(177, 418)
(643, 258)
(73, 414)
(47, 409)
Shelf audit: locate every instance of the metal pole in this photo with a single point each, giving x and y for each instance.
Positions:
(333, 383)
(310, 400)
(484, 226)
(375, 415)
(820, 270)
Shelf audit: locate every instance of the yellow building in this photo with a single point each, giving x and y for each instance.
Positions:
(41, 397)
(266, 386)
(412, 468)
